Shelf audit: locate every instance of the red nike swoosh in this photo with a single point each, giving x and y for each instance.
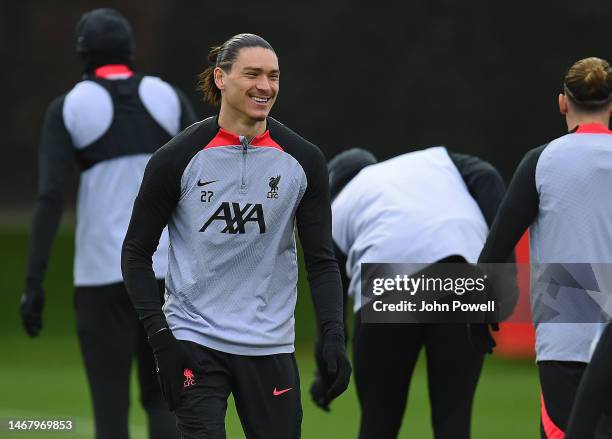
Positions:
(280, 392)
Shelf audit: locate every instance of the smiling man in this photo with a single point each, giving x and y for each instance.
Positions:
(231, 189)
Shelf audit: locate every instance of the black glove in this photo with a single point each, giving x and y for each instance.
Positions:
(481, 338)
(32, 304)
(333, 371)
(318, 391)
(171, 361)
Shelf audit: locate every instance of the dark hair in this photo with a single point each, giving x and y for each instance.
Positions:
(223, 56)
(588, 84)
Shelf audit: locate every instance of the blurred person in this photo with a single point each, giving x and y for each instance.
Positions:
(109, 124)
(425, 206)
(560, 191)
(233, 189)
(594, 394)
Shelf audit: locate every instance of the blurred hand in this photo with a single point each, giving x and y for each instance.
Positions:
(171, 360)
(32, 304)
(318, 391)
(333, 371)
(481, 338)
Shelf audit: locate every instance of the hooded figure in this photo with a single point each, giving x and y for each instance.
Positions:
(104, 37)
(343, 167)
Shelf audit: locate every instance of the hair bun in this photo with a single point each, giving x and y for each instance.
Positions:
(589, 82)
(597, 76)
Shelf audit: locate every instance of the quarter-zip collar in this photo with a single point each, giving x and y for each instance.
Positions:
(227, 138)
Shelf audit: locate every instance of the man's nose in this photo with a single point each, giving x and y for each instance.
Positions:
(264, 84)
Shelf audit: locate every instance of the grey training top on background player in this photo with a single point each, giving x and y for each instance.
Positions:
(82, 126)
(557, 192)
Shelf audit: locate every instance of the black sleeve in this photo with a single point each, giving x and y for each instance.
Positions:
(517, 211)
(188, 116)
(593, 394)
(313, 219)
(483, 181)
(157, 198)
(55, 165)
(341, 258)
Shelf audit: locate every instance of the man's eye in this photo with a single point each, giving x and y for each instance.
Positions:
(251, 74)
(274, 77)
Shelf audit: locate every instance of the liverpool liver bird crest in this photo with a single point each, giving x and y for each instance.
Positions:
(273, 183)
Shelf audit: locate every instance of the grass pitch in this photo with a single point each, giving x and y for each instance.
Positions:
(44, 378)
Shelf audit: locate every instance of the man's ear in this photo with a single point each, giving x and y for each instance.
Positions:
(562, 104)
(219, 76)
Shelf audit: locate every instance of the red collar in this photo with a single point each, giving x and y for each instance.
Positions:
(592, 128)
(114, 71)
(227, 138)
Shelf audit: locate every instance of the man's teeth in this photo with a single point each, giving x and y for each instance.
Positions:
(260, 100)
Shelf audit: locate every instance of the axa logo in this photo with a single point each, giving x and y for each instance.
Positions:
(273, 183)
(236, 217)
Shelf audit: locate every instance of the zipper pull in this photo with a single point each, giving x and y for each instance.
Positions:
(245, 146)
(245, 143)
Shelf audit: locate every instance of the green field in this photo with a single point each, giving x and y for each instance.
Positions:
(43, 377)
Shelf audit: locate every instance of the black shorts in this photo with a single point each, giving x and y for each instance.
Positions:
(266, 390)
(559, 381)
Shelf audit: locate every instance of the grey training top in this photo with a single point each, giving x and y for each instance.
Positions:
(109, 124)
(561, 191)
(231, 206)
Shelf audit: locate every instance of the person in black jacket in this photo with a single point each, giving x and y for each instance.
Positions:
(109, 124)
(422, 207)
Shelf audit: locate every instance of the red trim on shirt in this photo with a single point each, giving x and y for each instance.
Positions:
(266, 141)
(593, 128)
(550, 429)
(114, 70)
(227, 138)
(223, 138)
